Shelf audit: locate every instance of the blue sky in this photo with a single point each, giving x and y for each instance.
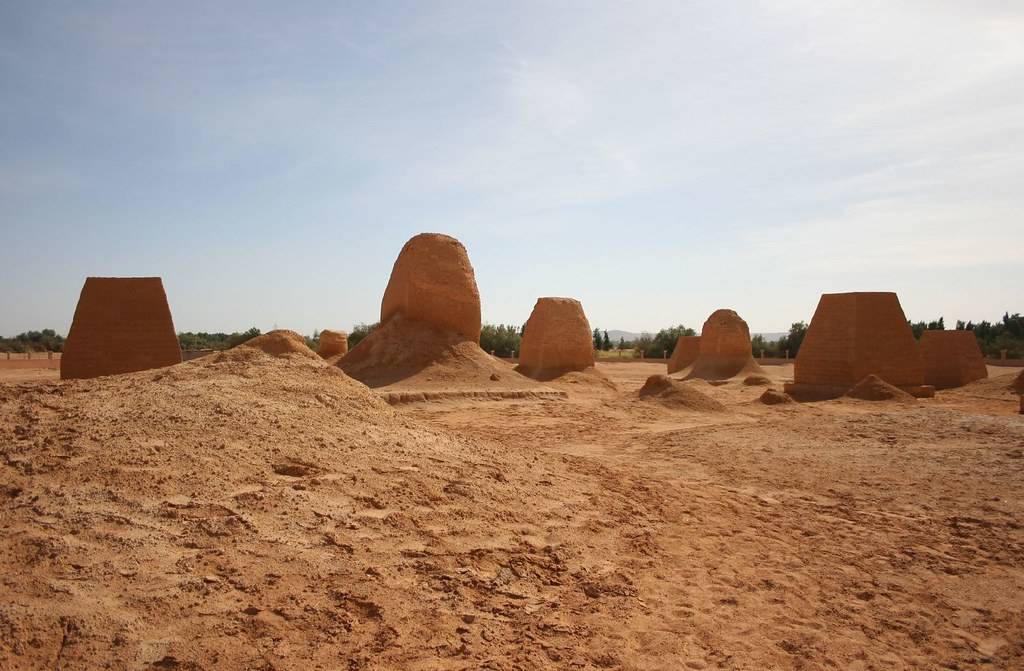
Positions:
(656, 160)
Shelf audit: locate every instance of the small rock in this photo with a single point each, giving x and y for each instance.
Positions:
(775, 397)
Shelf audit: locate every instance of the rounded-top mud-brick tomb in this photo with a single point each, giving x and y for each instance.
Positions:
(557, 338)
(851, 336)
(433, 282)
(724, 350)
(332, 343)
(428, 339)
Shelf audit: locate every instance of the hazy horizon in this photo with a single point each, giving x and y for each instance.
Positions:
(656, 161)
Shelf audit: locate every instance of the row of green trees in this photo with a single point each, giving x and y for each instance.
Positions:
(787, 345)
(504, 339)
(360, 331)
(46, 340)
(1006, 334)
(501, 339)
(663, 343)
(190, 340)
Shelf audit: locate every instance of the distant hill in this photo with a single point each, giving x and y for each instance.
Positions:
(628, 336)
(615, 334)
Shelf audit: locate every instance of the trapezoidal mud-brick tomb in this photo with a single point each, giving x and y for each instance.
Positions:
(433, 282)
(951, 358)
(851, 336)
(685, 353)
(121, 325)
(556, 339)
(724, 348)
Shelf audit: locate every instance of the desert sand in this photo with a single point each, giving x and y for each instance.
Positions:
(253, 511)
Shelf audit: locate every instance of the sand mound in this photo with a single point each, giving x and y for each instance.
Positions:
(679, 394)
(433, 282)
(332, 343)
(252, 511)
(757, 380)
(415, 355)
(280, 343)
(775, 397)
(684, 354)
(725, 350)
(586, 381)
(121, 325)
(874, 388)
(556, 339)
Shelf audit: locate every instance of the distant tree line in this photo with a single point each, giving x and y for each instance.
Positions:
(787, 345)
(501, 339)
(663, 343)
(202, 340)
(504, 339)
(360, 331)
(602, 342)
(46, 340)
(993, 337)
(920, 327)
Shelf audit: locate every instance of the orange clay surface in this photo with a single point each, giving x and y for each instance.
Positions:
(250, 511)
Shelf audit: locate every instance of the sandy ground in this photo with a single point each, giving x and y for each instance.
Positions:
(29, 375)
(274, 514)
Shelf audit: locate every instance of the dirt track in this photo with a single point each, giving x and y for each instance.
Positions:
(269, 514)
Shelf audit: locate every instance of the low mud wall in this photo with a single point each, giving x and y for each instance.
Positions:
(19, 364)
(28, 356)
(1009, 363)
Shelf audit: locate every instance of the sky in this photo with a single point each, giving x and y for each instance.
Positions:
(656, 160)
